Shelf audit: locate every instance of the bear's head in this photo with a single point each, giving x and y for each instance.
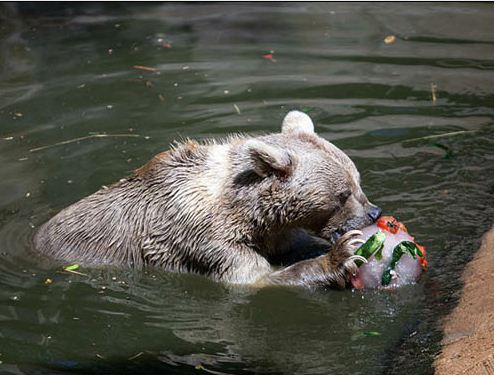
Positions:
(297, 179)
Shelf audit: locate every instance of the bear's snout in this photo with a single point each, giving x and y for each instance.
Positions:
(374, 213)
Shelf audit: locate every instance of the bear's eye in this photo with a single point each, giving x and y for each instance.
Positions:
(343, 196)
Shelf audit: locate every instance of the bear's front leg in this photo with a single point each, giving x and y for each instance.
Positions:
(333, 269)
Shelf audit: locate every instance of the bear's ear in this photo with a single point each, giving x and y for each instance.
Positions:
(297, 122)
(268, 159)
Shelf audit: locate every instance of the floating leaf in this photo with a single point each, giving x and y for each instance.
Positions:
(361, 334)
(372, 333)
(72, 267)
(390, 39)
(307, 109)
(269, 56)
(449, 152)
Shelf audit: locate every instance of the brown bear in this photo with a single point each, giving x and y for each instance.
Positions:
(246, 210)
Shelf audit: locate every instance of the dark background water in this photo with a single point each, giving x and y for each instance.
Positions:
(66, 71)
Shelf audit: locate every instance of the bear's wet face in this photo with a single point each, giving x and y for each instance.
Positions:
(298, 179)
(331, 186)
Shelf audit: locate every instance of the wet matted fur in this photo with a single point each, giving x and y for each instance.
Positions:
(249, 210)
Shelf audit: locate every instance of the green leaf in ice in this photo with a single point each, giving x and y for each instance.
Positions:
(373, 245)
(400, 249)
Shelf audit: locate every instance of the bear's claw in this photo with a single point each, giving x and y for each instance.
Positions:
(356, 241)
(343, 260)
(350, 233)
(354, 258)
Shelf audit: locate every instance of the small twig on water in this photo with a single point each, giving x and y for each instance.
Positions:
(439, 135)
(74, 272)
(434, 93)
(83, 139)
(145, 68)
(135, 356)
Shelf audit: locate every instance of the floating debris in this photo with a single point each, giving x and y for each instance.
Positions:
(72, 267)
(145, 68)
(363, 334)
(237, 109)
(434, 93)
(84, 138)
(389, 39)
(48, 281)
(269, 56)
(371, 333)
(448, 150)
(135, 356)
(450, 134)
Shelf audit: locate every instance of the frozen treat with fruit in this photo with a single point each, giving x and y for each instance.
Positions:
(393, 257)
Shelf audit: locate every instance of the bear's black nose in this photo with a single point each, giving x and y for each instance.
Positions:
(374, 213)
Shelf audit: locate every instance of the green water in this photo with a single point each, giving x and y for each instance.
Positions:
(67, 72)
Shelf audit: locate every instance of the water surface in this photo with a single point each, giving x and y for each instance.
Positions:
(66, 72)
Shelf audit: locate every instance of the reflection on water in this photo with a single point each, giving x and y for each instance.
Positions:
(67, 72)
